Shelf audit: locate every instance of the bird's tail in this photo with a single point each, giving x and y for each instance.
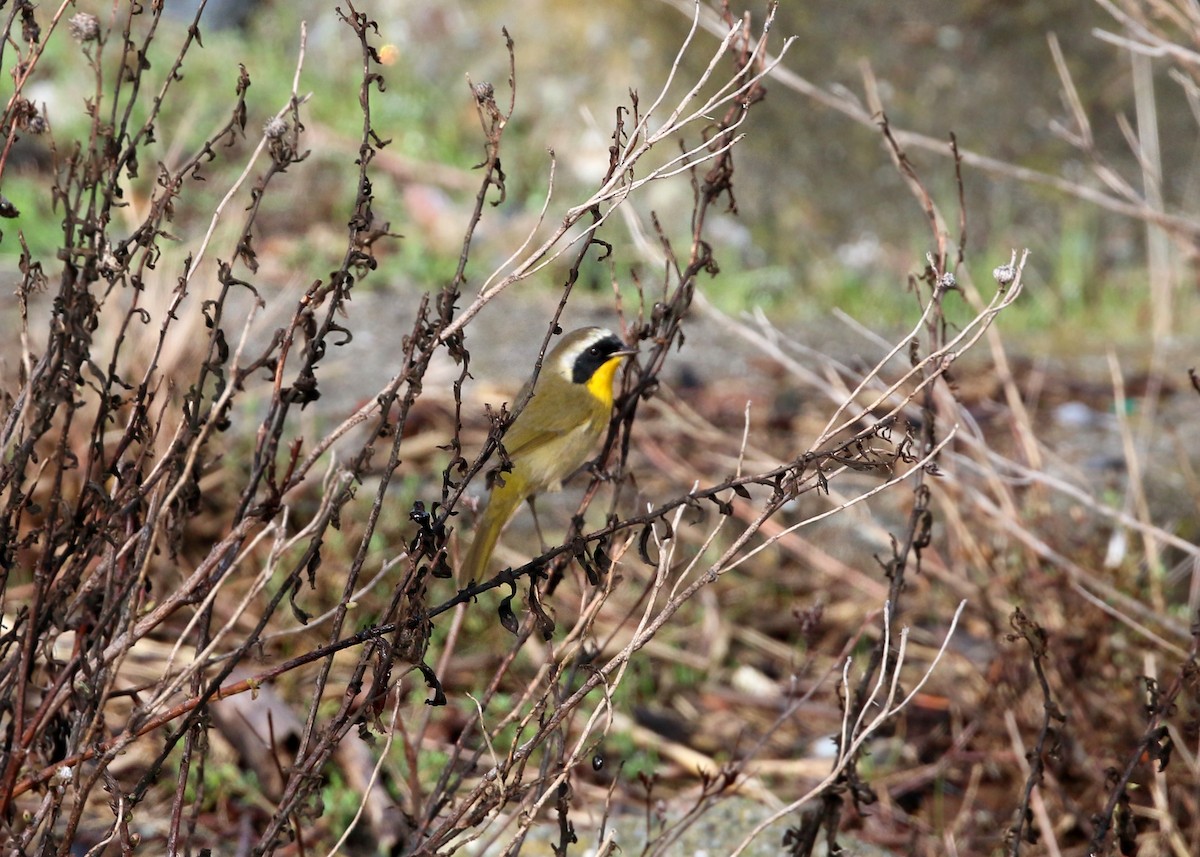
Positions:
(504, 501)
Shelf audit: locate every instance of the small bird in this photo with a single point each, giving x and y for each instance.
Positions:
(554, 434)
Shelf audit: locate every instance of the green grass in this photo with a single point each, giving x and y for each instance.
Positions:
(408, 110)
(1075, 294)
(634, 761)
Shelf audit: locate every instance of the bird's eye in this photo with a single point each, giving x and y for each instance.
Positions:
(594, 351)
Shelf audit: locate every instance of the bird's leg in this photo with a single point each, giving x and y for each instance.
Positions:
(537, 527)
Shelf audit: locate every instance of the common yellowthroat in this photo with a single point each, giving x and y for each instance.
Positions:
(554, 433)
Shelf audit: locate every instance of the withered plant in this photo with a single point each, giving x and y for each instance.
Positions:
(169, 523)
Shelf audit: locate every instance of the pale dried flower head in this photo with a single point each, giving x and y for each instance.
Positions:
(275, 128)
(84, 27)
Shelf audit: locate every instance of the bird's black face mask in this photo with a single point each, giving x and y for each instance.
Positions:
(594, 357)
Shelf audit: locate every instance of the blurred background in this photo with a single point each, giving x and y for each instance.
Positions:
(1080, 502)
(825, 219)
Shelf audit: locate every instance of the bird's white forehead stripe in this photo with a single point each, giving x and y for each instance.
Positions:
(566, 361)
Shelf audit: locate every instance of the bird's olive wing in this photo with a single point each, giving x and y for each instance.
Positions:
(518, 445)
(539, 425)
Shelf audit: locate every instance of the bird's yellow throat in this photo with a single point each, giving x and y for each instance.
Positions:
(600, 384)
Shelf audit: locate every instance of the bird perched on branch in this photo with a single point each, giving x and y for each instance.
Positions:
(554, 434)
